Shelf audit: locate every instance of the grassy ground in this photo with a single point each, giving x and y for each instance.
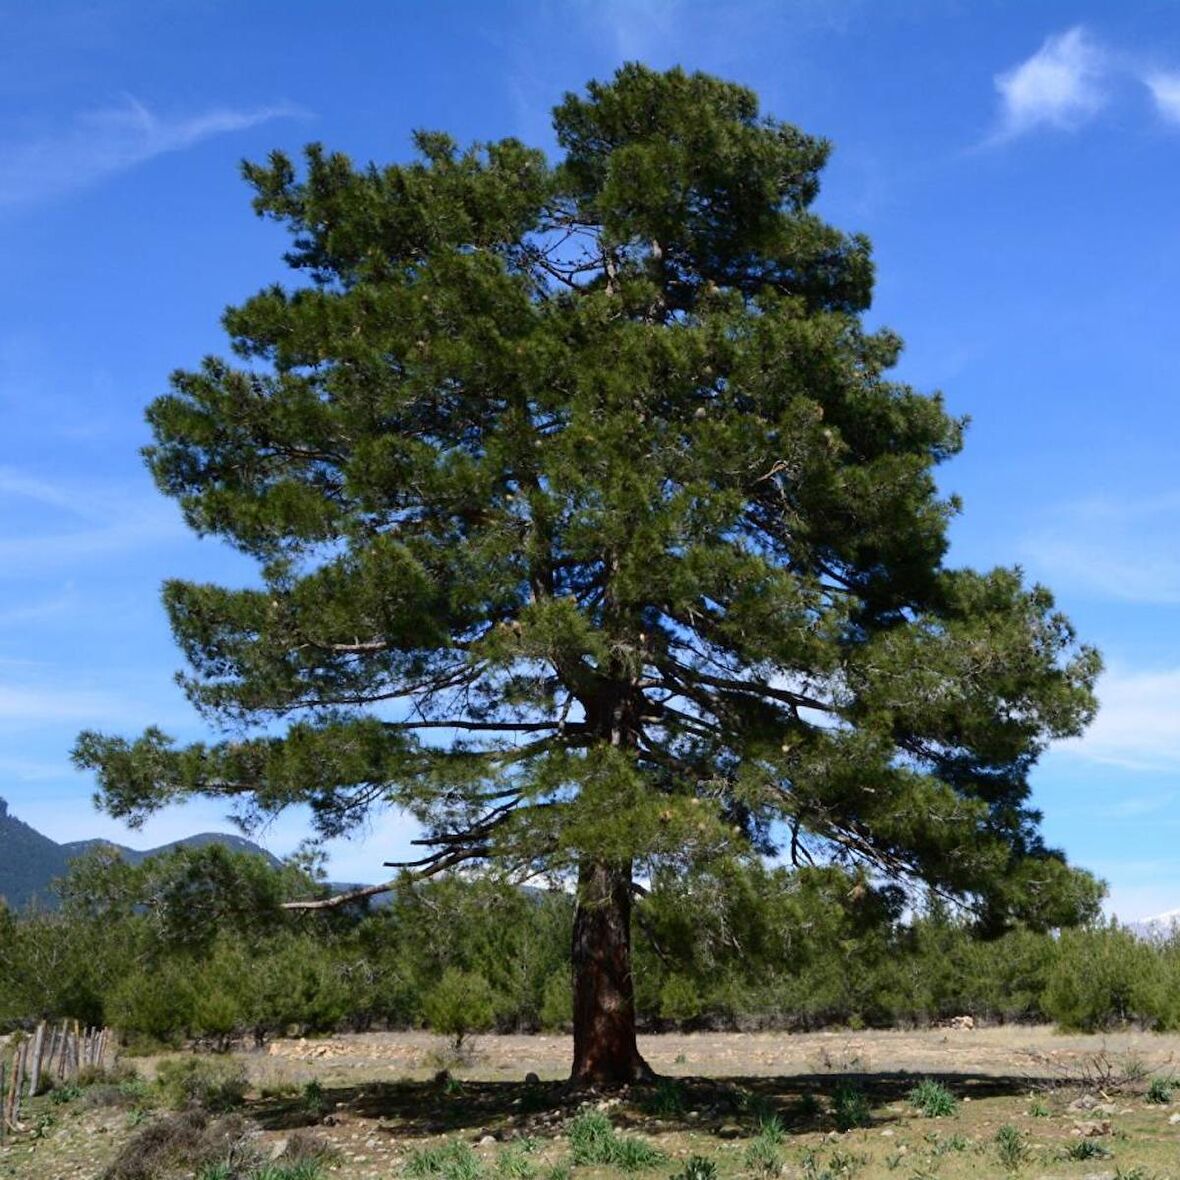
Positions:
(1019, 1102)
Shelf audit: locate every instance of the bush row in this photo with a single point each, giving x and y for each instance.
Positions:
(195, 944)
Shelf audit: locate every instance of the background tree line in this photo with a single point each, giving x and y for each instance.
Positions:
(195, 944)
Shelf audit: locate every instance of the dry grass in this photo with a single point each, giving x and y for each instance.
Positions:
(379, 1105)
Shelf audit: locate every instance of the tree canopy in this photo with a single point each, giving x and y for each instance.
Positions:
(593, 533)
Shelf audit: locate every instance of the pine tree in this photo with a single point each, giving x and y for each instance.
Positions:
(593, 534)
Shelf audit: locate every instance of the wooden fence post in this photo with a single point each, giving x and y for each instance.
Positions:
(18, 1077)
(35, 1060)
(64, 1050)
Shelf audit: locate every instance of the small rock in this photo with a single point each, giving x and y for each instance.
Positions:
(1174, 1119)
(887, 1133)
(1092, 1128)
(1085, 1102)
(488, 1141)
(729, 1131)
(531, 1079)
(277, 1148)
(960, 1023)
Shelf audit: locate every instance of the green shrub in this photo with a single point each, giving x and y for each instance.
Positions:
(594, 1141)
(202, 1083)
(301, 1170)
(591, 1136)
(1086, 1149)
(697, 1167)
(513, 1163)
(764, 1156)
(850, 1107)
(461, 1003)
(932, 1099)
(312, 1099)
(1107, 977)
(1011, 1147)
(631, 1154)
(680, 999)
(557, 1002)
(452, 1160)
(1159, 1092)
(664, 1100)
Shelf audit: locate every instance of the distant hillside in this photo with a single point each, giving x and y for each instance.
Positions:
(1158, 928)
(30, 862)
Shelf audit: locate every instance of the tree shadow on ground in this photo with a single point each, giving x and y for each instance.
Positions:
(725, 1107)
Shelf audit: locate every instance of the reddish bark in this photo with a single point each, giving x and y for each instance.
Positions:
(605, 1051)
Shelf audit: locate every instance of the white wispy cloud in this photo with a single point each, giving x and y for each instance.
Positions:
(1165, 89)
(1060, 86)
(1137, 728)
(639, 27)
(102, 142)
(1126, 548)
(73, 522)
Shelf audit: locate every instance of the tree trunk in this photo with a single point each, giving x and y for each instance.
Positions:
(605, 1052)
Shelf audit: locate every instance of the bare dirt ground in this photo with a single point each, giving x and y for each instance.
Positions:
(1014, 1051)
(380, 1101)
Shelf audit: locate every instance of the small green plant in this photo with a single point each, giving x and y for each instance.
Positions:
(940, 1145)
(1138, 1172)
(559, 1172)
(1086, 1149)
(136, 1117)
(1159, 1092)
(312, 1099)
(218, 1171)
(807, 1108)
(44, 1125)
(300, 1170)
(932, 1099)
(593, 1140)
(1011, 1147)
(697, 1167)
(850, 1107)
(841, 1166)
(1038, 1109)
(202, 1083)
(461, 1003)
(590, 1135)
(452, 1160)
(512, 1163)
(757, 1106)
(764, 1157)
(665, 1100)
(634, 1155)
(63, 1094)
(771, 1127)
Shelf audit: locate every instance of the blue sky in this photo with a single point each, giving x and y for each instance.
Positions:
(1015, 164)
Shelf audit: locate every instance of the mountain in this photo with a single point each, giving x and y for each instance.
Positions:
(30, 862)
(1159, 927)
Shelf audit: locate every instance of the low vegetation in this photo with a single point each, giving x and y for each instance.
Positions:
(195, 945)
(1098, 1115)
